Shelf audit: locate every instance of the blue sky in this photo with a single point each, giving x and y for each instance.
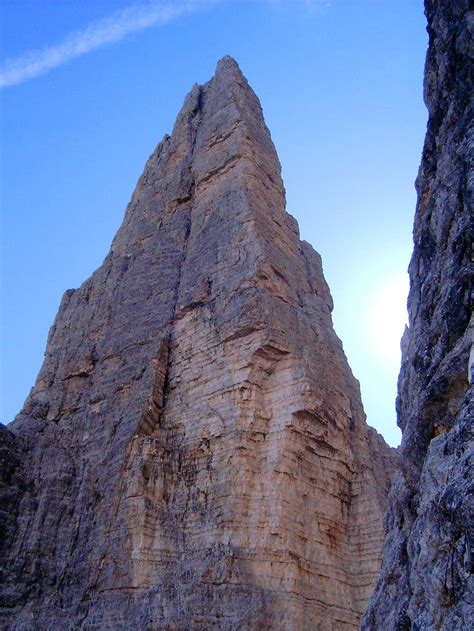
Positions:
(341, 88)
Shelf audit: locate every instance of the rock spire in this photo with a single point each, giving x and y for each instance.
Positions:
(194, 453)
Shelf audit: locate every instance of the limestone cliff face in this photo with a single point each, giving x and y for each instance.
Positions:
(196, 443)
(426, 580)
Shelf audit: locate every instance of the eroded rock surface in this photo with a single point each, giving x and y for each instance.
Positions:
(426, 580)
(197, 446)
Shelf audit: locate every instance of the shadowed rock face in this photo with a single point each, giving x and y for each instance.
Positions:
(426, 580)
(195, 439)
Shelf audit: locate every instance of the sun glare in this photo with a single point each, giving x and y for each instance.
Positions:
(387, 318)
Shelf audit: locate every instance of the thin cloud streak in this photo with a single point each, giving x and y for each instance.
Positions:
(96, 35)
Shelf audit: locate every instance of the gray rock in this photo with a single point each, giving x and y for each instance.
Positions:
(426, 580)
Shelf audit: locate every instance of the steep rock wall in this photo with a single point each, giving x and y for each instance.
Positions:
(426, 580)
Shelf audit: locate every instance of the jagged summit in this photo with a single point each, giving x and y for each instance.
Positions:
(194, 452)
(227, 64)
(227, 69)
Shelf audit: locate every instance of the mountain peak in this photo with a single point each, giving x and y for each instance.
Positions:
(195, 417)
(227, 64)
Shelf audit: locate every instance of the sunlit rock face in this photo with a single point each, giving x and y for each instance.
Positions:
(426, 580)
(195, 440)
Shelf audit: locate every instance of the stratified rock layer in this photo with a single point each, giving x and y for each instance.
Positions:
(426, 580)
(196, 441)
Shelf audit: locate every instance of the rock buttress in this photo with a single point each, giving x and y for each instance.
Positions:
(426, 581)
(196, 441)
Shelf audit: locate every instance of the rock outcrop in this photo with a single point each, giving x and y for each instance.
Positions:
(426, 581)
(12, 487)
(196, 446)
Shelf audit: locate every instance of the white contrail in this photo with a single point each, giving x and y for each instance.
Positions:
(96, 35)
